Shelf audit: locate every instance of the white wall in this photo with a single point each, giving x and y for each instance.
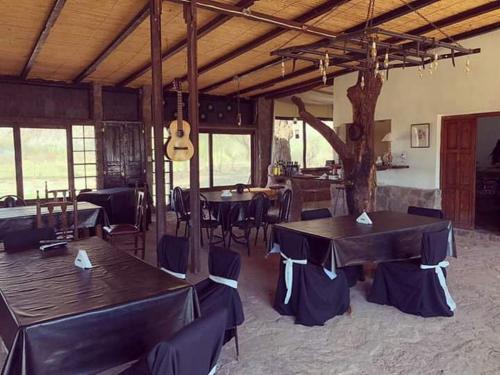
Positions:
(407, 99)
(488, 133)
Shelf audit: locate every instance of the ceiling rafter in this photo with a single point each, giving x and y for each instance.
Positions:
(42, 37)
(444, 22)
(122, 35)
(308, 16)
(376, 21)
(176, 48)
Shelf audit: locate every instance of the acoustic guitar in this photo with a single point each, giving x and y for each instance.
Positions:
(179, 146)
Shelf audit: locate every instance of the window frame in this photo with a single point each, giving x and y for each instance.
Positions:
(17, 125)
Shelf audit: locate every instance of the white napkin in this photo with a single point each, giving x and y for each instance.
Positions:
(364, 219)
(82, 260)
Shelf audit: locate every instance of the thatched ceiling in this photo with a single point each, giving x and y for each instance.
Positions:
(83, 29)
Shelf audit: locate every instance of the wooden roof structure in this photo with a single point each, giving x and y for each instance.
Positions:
(108, 41)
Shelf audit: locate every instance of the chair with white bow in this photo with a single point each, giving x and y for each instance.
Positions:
(417, 288)
(172, 255)
(194, 350)
(307, 291)
(220, 290)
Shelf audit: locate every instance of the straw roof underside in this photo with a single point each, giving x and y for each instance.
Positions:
(85, 28)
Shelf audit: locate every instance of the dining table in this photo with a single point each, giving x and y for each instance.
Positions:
(341, 241)
(118, 202)
(57, 318)
(24, 217)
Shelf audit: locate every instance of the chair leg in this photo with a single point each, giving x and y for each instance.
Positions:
(230, 233)
(236, 343)
(201, 237)
(256, 235)
(186, 228)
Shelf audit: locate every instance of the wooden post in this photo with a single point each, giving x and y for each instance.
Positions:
(97, 114)
(194, 172)
(157, 116)
(264, 135)
(147, 127)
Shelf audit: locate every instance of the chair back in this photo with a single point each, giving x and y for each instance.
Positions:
(179, 203)
(207, 209)
(434, 246)
(293, 245)
(11, 201)
(285, 204)
(224, 263)
(429, 212)
(177, 357)
(63, 194)
(58, 214)
(173, 253)
(26, 239)
(320, 213)
(257, 208)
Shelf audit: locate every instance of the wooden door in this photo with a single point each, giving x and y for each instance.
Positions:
(124, 161)
(458, 171)
(133, 154)
(114, 175)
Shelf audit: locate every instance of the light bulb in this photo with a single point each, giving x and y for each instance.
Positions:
(282, 68)
(327, 60)
(362, 82)
(467, 66)
(374, 50)
(420, 72)
(386, 60)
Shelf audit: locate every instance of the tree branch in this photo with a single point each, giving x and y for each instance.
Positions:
(338, 145)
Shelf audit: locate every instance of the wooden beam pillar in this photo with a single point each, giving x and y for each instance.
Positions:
(157, 116)
(194, 171)
(147, 127)
(264, 139)
(97, 115)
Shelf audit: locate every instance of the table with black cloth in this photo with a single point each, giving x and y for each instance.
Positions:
(118, 202)
(24, 217)
(341, 241)
(60, 319)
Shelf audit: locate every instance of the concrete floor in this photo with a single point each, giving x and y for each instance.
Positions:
(373, 339)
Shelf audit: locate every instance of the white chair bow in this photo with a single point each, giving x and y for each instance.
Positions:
(224, 281)
(442, 281)
(289, 262)
(175, 274)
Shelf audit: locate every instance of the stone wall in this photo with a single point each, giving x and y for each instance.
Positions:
(391, 198)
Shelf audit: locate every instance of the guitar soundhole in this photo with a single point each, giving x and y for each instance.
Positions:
(180, 133)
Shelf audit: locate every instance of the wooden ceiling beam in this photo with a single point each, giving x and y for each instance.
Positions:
(42, 37)
(308, 16)
(176, 48)
(236, 11)
(124, 33)
(376, 21)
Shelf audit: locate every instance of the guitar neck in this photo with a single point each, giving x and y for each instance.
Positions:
(179, 110)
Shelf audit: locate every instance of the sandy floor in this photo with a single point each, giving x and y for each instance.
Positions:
(374, 339)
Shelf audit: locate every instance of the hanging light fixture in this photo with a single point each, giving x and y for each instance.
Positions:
(283, 68)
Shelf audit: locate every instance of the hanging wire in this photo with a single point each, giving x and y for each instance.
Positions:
(238, 115)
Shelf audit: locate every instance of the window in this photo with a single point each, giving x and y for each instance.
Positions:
(44, 158)
(84, 157)
(181, 168)
(167, 166)
(232, 155)
(307, 145)
(7, 162)
(318, 150)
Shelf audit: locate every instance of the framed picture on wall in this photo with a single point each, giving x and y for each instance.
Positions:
(420, 135)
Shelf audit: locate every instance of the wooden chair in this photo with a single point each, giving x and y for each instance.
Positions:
(181, 212)
(65, 193)
(58, 214)
(137, 231)
(11, 201)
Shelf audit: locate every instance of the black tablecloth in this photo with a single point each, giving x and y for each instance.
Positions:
(119, 203)
(21, 218)
(59, 319)
(341, 241)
